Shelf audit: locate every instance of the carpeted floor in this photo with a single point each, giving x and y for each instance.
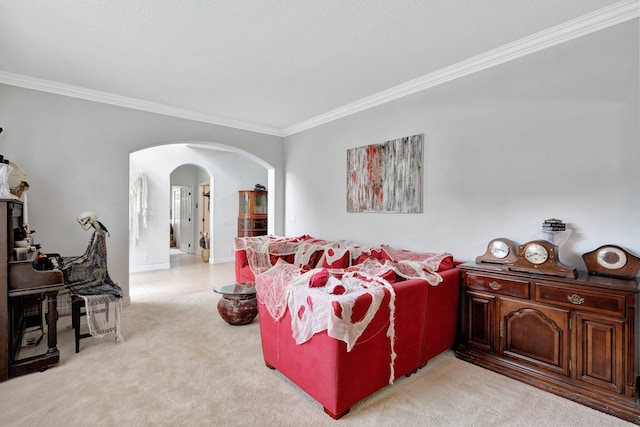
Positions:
(182, 365)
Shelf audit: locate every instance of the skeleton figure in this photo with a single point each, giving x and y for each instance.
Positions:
(88, 219)
(87, 274)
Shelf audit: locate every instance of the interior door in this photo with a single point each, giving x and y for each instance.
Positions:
(182, 224)
(185, 219)
(175, 216)
(205, 210)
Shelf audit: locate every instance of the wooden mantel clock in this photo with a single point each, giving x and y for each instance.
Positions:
(612, 261)
(499, 251)
(541, 257)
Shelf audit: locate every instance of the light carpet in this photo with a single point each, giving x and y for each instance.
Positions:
(182, 365)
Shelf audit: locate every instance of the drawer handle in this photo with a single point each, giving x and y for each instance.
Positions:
(495, 285)
(575, 299)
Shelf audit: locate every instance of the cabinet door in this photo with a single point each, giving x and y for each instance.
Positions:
(599, 359)
(535, 334)
(479, 321)
(260, 203)
(244, 203)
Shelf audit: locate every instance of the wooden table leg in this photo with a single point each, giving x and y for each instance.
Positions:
(52, 319)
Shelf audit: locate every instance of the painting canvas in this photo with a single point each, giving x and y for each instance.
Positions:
(386, 177)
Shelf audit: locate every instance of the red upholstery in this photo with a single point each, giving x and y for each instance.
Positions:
(442, 316)
(243, 271)
(425, 325)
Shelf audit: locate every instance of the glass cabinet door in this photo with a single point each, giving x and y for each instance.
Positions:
(260, 204)
(253, 211)
(245, 203)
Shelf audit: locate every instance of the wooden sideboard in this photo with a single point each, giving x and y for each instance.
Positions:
(573, 337)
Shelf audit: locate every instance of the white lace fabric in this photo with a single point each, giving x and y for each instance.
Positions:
(314, 309)
(272, 287)
(103, 315)
(260, 249)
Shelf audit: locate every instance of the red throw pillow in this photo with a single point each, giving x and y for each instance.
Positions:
(338, 290)
(360, 307)
(313, 261)
(286, 258)
(446, 264)
(337, 309)
(389, 276)
(374, 254)
(241, 259)
(319, 279)
(342, 262)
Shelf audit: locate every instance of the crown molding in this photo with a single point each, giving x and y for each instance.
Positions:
(133, 103)
(598, 20)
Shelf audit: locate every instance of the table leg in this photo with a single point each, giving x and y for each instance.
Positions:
(52, 318)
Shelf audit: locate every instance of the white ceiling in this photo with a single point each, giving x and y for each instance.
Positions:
(274, 66)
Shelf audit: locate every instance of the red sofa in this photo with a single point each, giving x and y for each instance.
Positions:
(424, 326)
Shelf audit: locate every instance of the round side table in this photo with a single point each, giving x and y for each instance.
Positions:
(238, 305)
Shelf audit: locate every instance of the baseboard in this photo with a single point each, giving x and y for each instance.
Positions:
(149, 267)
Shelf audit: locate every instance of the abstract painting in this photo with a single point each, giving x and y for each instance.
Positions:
(386, 177)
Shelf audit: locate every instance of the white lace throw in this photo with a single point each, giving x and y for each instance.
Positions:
(328, 307)
(311, 307)
(315, 307)
(103, 315)
(272, 287)
(260, 249)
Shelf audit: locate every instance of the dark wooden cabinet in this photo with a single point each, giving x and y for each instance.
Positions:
(572, 337)
(252, 213)
(25, 295)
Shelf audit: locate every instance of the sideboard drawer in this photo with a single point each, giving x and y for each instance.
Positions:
(579, 298)
(499, 285)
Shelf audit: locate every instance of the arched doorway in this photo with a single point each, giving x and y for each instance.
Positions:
(231, 170)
